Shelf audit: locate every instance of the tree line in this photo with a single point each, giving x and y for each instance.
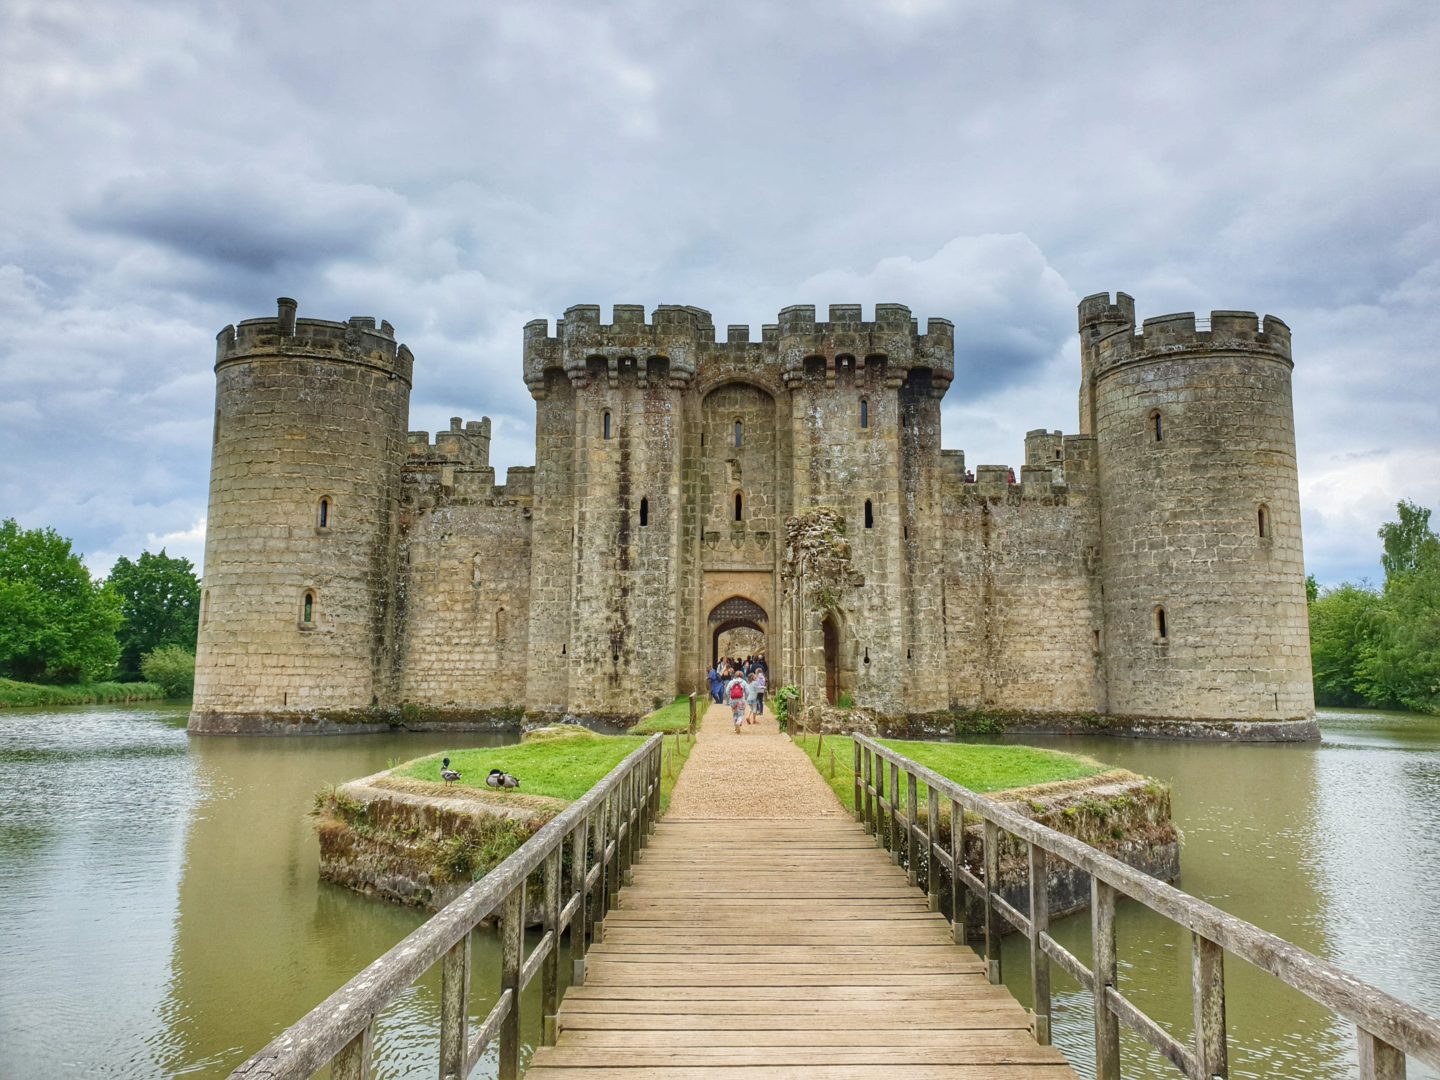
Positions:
(1381, 647)
(59, 625)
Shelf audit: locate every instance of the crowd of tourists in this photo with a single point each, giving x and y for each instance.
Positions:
(740, 684)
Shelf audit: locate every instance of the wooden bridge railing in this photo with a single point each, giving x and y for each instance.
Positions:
(1388, 1029)
(604, 829)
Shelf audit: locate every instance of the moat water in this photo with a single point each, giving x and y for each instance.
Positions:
(160, 913)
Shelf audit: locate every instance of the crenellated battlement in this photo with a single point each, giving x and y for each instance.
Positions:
(466, 443)
(684, 338)
(358, 340)
(1169, 335)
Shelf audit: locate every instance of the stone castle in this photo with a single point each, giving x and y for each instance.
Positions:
(1145, 571)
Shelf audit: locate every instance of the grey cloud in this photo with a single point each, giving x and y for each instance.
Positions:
(254, 221)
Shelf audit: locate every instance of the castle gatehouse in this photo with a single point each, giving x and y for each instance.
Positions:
(1146, 568)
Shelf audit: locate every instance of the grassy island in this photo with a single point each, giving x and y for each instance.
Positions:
(980, 767)
(671, 718)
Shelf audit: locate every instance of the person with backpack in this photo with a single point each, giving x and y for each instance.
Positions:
(735, 695)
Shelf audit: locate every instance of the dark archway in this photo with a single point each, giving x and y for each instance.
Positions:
(734, 614)
(831, 634)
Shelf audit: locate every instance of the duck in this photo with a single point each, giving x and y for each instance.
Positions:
(448, 774)
(498, 779)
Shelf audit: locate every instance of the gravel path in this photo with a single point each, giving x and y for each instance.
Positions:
(756, 774)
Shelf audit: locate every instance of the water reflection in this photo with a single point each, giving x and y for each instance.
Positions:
(160, 913)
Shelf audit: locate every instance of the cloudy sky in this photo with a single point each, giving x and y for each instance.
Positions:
(459, 168)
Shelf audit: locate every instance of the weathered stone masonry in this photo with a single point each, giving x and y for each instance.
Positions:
(1146, 569)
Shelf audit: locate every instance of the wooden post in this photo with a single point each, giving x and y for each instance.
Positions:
(962, 901)
(1103, 969)
(894, 818)
(867, 816)
(992, 916)
(832, 763)
(512, 950)
(655, 794)
(692, 716)
(550, 968)
(1378, 1059)
(881, 834)
(1207, 989)
(912, 816)
(1039, 924)
(932, 851)
(579, 870)
(613, 870)
(455, 1010)
(601, 822)
(353, 1062)
(628, 785)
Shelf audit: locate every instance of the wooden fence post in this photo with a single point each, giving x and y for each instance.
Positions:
(1039, 924)
(992, 887)
(881, 833)
(579, 871)
(962, 901)
(353, 1062)
(1207, 988)
(859, 794)
(1378, 1059)
(512, 956)
(1103, 970)
(692, 716)
(455, 1010)
(894, 807)
(912, 817)
(932, 850)
(550, 969)
(869, 816)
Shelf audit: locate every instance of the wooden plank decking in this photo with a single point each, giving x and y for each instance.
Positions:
(784, 948)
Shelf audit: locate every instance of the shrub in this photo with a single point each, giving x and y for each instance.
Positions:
(171, 666)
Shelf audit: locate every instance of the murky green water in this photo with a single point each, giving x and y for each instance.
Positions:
(160, 913)
(1334, 846)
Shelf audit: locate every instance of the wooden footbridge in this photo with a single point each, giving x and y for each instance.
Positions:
(791, 948)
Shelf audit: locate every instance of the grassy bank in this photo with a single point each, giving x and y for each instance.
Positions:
(981, 768)
(16, 695)
(557, 763)
(671, 718)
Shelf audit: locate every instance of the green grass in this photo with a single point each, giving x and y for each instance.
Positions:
(981, 768)
(21, 694)
(671, 718)
(562, 765)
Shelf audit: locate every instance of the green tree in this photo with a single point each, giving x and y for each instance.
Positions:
(160, 599)
(1312, 589)
(1404, 664)
(56, 624)
(1407, 540)
(1345, 624)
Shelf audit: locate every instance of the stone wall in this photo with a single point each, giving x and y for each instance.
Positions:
(1022, 589)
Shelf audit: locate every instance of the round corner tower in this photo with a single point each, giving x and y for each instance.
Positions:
(1203, 575)
(310, 419)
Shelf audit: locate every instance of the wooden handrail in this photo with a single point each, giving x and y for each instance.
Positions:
(340, 1029)
(1388, 1028)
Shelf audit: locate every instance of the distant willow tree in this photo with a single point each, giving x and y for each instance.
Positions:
(159, 596)
(56, 624)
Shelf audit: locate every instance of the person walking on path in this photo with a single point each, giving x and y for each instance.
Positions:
(758, 682)
(713, 678)
(750, 699)
(735, 694)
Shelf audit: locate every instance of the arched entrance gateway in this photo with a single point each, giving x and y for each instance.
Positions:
(737, 613)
